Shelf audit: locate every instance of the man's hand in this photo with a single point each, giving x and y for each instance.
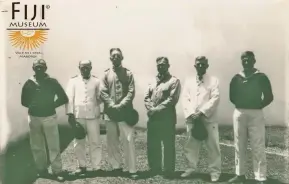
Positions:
(149, 106)
(71, 119)
(33, 104)
(195, 116)
(151, 111)
(116, 107)
(110, 105)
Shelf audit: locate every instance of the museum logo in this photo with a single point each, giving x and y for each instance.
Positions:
(28, 29)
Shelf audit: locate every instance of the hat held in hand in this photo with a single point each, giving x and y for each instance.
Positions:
(79, 131)
(199, 131)
(126, 114)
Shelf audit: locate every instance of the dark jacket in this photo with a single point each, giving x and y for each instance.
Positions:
(253, 92)
(39, 98)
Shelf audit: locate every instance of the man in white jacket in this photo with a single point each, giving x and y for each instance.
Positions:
(83, 107)
(200, 100)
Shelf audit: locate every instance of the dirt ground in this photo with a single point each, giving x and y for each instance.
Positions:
(19, 167)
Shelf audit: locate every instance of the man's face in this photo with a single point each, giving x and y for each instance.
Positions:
(201, 67)
(39, 70)
(85, 70)
(247, 62)
(116, 58)
(162, 67)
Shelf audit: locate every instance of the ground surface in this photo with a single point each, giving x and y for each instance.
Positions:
(20, 170)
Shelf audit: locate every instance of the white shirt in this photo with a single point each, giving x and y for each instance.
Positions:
(201, 95)
(84, 97)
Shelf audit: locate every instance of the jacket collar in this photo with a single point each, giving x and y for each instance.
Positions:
(80, 77)
(164, 77)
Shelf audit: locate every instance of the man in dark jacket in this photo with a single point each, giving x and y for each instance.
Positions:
(160, 101)
(250, 92)
(38, 95)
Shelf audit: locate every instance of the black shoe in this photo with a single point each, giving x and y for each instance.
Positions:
(238, 179)
(59, 177)
(169, 175)
(152, 173)
(118, 172)
(80, 171)
(260, 182)
(98, 171)
(133, 176)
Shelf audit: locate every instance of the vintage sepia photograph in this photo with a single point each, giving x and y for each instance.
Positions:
(144, 91)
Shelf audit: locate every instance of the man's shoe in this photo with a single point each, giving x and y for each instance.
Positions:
(187, 173)
(118, 172)
(80, 171)
(238, 179)
(260, 182)
(169, 175)
(215, 177)
(94, 170)
(59, 177)
(43, 174)
(152, 173)
(133, 176)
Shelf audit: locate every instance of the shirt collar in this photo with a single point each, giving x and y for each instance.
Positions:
(81, 78)
(164, 77)
(243, 74)
(200, 81)
(89, 77)
(33, 78)
(116, 69)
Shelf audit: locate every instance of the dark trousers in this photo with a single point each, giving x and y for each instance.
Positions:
(158, 132)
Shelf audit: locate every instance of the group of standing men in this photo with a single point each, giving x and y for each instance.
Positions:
(250, 92)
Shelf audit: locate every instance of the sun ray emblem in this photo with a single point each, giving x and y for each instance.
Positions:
(27, 39)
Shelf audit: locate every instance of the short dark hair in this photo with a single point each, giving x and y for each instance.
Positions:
(163, 58)
(113, 49)
(201, 58)
(248, 53)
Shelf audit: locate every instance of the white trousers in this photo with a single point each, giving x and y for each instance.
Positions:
(126, 133)
(41, 129)
(93, 140)
(193, 146)
(250, 124)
